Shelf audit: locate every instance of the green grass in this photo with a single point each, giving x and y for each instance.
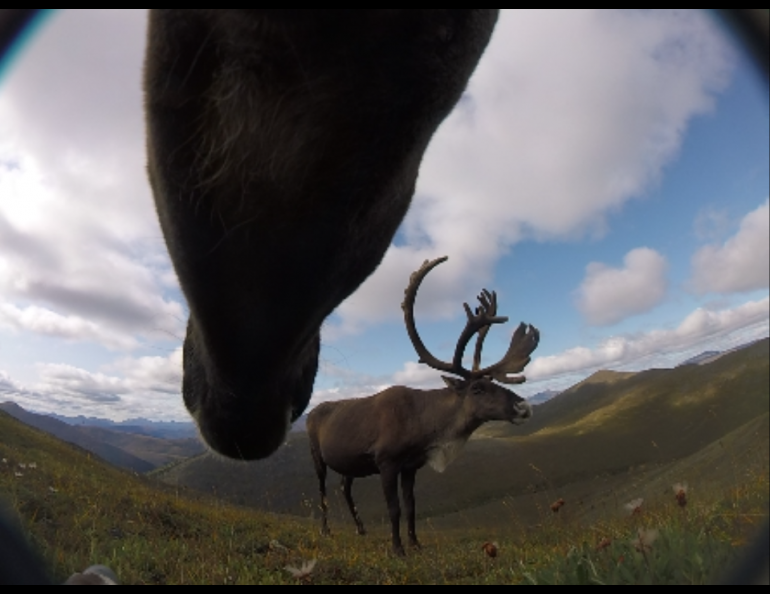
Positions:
(617, 438)
(149, 533)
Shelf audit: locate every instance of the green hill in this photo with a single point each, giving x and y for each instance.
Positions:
(609, 425)
(132, 451)
(709, 429)
(79, 511)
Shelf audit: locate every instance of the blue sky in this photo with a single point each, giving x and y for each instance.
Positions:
(606, 173)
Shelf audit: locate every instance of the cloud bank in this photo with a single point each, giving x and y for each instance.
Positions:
(569, 115)
(742, 263)
(609, 295)
(751, 319)
(144, 386)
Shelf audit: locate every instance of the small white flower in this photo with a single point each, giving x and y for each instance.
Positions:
(679, 487)
(304, 571)
(53, 489)
(634, 506)
(18, 474)
(644, 539)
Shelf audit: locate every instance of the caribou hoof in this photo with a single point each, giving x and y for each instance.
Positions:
(361, 531)
(325, 531)
(398, 551)
(415, 544)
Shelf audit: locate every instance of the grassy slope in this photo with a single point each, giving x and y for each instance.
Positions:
(597, 430)
(154, 450)
(74, 435)
(128, 450)
(150, 533)
(143, 530)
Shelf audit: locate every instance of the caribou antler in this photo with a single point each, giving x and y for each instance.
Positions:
(488, 303)
(523, 342)
(483, 318)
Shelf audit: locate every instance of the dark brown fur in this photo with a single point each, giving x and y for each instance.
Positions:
(396, 432)
(284, 147)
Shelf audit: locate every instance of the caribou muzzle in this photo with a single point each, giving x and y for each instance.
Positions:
(522, 412)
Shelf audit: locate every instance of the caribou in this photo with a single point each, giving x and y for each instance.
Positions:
(399, 430)
(283, 150)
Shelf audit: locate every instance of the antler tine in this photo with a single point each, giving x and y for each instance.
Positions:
(407, 306)
(489, 304)
(523, 342)
(476, 323)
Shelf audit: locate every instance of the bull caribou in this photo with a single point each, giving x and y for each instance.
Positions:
(399, 430)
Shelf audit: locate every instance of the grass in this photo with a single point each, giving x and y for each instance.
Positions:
(79, 511)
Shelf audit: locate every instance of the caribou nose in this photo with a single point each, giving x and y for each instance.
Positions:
(522, 412)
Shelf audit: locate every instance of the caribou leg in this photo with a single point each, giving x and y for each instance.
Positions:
(389, 476)
(407, 493)
(320, 469)
(347, 484)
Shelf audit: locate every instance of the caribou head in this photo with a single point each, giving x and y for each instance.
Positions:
(476, 382)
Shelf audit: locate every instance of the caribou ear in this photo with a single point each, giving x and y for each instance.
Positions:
(453, 383)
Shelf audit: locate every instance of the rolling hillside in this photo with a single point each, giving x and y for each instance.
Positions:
(622, 438)
(137, 452)
(610, 425)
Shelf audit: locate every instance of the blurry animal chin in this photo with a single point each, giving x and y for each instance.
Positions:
(522, 413)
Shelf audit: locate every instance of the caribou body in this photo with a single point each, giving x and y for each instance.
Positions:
(399, 430)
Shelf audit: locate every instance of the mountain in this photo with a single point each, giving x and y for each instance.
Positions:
(299, 426)
(702, 358)
(159, 429)
(116, 445)
(707, 357)
(105, 451)
(544, 396)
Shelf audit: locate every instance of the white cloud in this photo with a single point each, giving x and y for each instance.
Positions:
(78, 231)
(569, 115)
(45, 322)
(695, 332)
(418, 375)
(742, 263)
(8, 385)
(609, 295)
(149, 387)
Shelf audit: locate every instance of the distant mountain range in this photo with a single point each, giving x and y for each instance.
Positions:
(707, 357)
(112, 442)
(159, 429)
(142, 445)
(544, 396)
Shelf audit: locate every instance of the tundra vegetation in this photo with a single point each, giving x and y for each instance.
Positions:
(79, 511)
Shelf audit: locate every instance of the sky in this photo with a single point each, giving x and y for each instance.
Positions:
(607, 173)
